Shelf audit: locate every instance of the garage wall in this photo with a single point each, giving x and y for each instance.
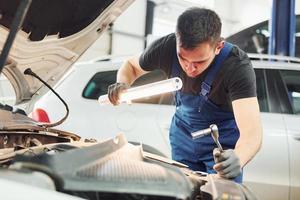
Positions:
(127, 34)
(237, 15)
(129, 30)
(125, 37)
(167, 12)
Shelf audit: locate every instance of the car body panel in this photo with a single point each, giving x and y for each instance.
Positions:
(7, 93)
(293, 131)
(271, 180)
(164, 115)
(36, 193)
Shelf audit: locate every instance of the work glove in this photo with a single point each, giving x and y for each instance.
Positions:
(227, 163)
(115, 90)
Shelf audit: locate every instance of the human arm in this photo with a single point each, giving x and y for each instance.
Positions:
(156, 56)
(130, 71)
(247, 117)
(127, 74)
(241, 86)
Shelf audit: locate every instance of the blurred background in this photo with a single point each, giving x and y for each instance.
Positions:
(130, 34)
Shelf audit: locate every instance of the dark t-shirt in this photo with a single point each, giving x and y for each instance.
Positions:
(235, 79)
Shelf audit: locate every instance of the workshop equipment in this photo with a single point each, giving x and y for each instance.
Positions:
(160, 87)
(213, 130)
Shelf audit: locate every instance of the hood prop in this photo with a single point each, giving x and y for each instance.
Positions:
(15, 27)
(28, 71)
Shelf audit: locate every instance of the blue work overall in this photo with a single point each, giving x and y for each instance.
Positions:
(197, 112)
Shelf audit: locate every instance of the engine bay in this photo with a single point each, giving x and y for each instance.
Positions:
(112, 169)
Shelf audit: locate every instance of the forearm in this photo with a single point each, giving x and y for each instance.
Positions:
(247, 147)
(247, 116)
(129, 71)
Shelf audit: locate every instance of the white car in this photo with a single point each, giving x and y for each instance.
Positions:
(7, 95)
(273, 173)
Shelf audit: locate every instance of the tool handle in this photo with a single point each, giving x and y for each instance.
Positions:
(201, 133)
(219, 145)
(217, 153)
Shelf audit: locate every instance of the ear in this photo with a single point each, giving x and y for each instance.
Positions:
(219, 46)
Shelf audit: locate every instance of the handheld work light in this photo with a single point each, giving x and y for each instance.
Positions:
(160, 87)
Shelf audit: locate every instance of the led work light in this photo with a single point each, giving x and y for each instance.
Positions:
(160, 87)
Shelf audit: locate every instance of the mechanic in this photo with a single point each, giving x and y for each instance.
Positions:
(219, 87)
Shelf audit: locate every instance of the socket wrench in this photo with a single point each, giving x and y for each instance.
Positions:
(213, 131)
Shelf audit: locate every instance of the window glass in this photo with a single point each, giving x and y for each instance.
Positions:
(98, 84)
(261, 90)
(292, 82)
(7, 93)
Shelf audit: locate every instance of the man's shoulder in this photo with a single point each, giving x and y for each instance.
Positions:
(167, 40)
(159, 54)
(237, 58)
(237, 63)
(238, 54)
(170, 37)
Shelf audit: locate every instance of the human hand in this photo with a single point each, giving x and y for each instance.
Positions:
(227, 163)
(115, 90)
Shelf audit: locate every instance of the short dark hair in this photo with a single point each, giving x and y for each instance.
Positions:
(197, 25)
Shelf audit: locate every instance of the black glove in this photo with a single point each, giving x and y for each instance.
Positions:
(227, 163)
(115, 90)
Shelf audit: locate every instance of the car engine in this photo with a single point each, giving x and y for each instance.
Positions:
(112, 169)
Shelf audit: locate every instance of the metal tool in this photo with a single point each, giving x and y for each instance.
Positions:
(213, 131)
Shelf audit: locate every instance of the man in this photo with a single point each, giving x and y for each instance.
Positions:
(219, 87)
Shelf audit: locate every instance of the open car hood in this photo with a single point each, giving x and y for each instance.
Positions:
(53, 36)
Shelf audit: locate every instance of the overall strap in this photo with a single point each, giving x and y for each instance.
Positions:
(214, 68)
(175, 72)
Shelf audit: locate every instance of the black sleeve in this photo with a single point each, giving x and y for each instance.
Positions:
(159, 54)
(242, 82)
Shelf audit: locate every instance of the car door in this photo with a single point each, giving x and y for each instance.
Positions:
(163, 109)
(291, 80)
(267, 174)
(164, 113)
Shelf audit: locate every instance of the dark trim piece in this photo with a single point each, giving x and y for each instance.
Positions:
(278, 95)
(149, 19)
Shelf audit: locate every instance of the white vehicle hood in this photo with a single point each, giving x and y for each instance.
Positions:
(53, 36)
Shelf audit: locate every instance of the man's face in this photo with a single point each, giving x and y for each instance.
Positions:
(195, 61)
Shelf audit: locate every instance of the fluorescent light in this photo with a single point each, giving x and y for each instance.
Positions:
(160, 87)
